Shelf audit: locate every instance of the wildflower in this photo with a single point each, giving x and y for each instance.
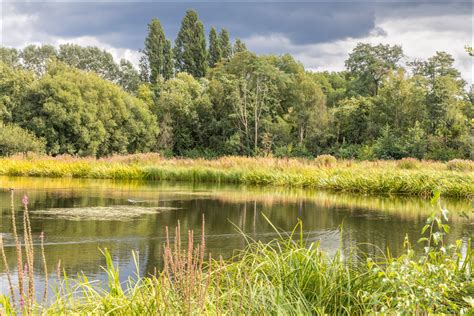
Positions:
(25, 200)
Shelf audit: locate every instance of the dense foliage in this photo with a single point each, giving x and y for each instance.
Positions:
(14, 139)
(80, 113)
(212, 99)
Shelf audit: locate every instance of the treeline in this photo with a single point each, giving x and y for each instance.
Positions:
(209, 97)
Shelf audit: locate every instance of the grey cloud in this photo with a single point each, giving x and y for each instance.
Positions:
(124, 24)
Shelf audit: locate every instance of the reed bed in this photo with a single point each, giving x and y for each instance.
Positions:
(286, 276)
(409, 177)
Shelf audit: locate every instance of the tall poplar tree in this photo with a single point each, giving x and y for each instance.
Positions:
(168, 67)
(226, 47)
(215, 53)
(190, 46)
(157, 52)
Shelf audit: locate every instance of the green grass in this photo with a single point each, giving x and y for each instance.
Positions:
(378, 177)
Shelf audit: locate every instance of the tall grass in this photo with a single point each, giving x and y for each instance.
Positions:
(286, 276)
(378, 177)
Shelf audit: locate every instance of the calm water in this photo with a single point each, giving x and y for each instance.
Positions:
(80, 217)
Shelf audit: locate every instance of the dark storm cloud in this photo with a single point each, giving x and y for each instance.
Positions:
(123, 24)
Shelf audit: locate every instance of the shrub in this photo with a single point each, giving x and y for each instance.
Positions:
(348, 151)
(325, 160)
(388, 146)
(460, 165)
(408, 163)
(14, 140)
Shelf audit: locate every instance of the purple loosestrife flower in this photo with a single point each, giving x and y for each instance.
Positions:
(25, 200)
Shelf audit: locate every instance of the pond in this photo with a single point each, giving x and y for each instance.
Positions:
(79, 217)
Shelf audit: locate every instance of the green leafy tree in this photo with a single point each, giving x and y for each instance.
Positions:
(90, 59)
(309, 110)
(36, 58)
(82, 114)
(10, 56)
(225, 45)
(239, 46)
(441, 64)
(178, 108)
(15, 84)
(334, 86)
(368, 64)
(415, 142)
(168, 69)
(469, 50)
(190, 46)
(400, 103)
(157, 52)
(215, 53)
(257, 85)
(351, 120)
(388, 145)
(129, 78)
(14, 140)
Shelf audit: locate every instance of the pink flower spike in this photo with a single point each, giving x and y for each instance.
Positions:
(24, 200)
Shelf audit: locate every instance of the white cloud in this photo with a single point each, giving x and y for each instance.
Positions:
(18, 30)
(419, 37)
(117, 53)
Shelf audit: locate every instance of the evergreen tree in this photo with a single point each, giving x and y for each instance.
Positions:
(190, 46)
(239, 46)
(215, 53)
(226, 47)
(157, 51)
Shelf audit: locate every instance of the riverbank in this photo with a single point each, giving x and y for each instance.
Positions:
(375, 177)
(286, 276)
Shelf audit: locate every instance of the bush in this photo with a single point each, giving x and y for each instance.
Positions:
(460, 165)
(325, 161)
(388, 146)
(14, 140)
(348, 151)
(408, 163)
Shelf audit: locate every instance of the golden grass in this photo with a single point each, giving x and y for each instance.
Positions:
(367, 177)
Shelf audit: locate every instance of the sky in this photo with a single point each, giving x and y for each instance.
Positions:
(320, 34)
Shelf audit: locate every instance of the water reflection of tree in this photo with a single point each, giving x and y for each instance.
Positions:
(380, 221)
